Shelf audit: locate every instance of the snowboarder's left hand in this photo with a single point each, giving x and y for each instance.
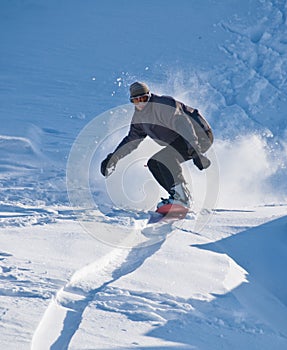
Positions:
(201, 161)
(108, 165)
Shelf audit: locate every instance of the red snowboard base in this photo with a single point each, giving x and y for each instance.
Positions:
(172, 211)
(168, 212)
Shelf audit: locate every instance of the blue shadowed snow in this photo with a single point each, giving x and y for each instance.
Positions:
(63, 63)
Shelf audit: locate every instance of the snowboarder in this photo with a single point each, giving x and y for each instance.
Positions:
(181, 129)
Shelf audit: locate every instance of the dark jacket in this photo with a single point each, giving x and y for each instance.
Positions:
(164, 120)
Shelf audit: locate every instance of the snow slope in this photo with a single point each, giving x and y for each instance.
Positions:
(212, 289)
(75, 274)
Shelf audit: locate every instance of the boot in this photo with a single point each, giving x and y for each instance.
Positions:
(179, 194)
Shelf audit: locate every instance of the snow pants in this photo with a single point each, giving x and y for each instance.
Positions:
(165, 165)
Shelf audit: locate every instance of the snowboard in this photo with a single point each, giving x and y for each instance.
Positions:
(168, 212)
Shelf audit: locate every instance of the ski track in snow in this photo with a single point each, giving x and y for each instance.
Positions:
(66, 309)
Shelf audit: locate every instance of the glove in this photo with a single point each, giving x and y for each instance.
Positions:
(201, 161)
(108, 165)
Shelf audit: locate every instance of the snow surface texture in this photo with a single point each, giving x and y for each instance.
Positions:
(80, 276)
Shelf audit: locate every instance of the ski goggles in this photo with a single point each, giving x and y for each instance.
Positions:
(141, 98)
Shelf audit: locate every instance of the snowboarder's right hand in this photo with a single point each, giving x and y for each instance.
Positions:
(108, 165)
